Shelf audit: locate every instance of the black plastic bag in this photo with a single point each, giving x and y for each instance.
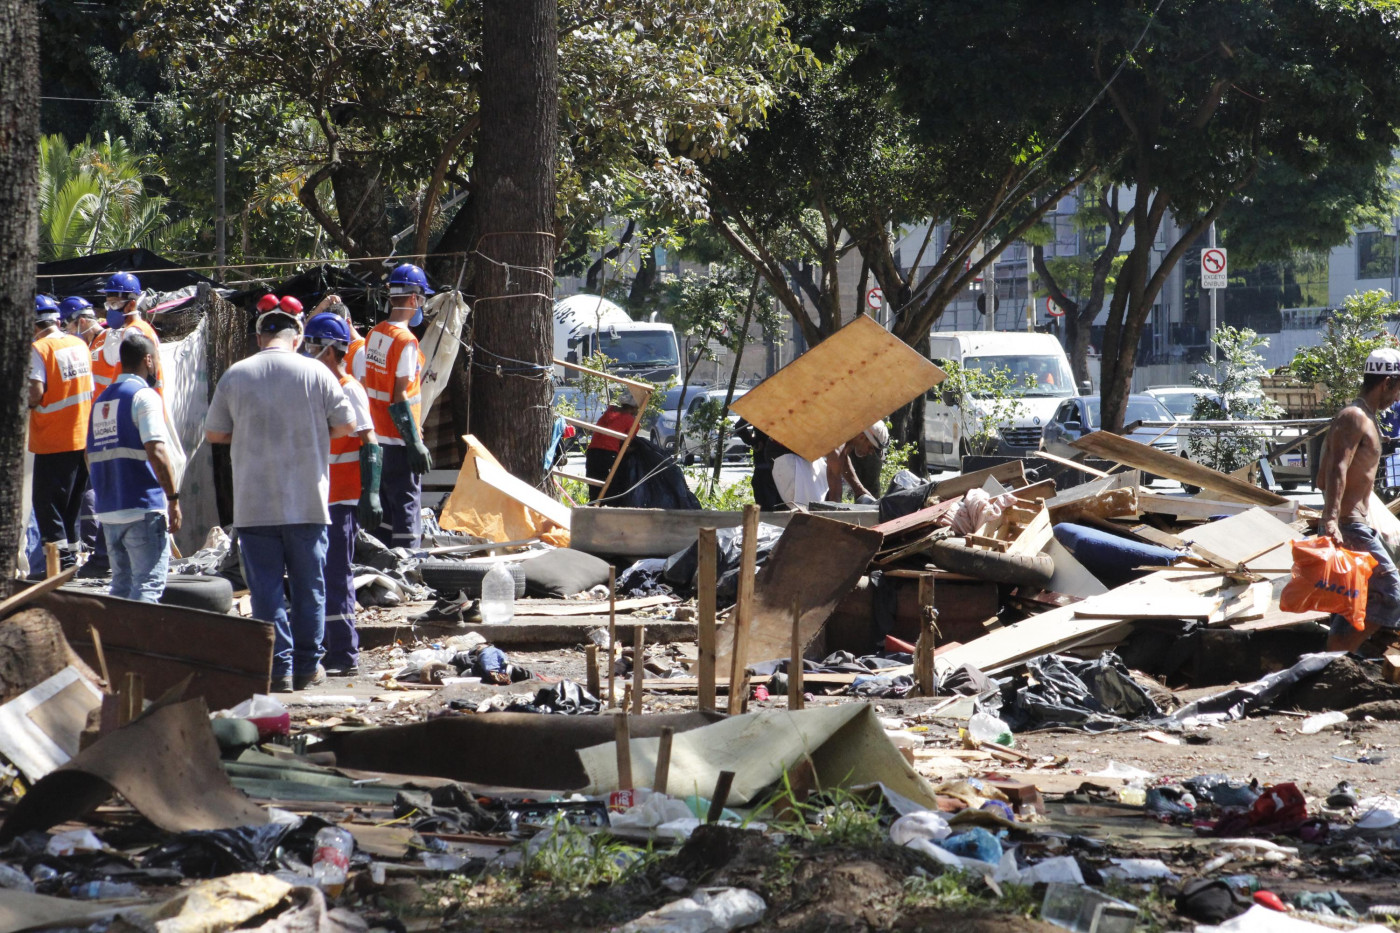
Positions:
(682, 566)
(648, 478)
(214, 853)
(1091, 695)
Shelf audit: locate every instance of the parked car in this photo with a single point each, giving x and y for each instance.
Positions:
(1079, 416)
(665, 433)
(1180, 400)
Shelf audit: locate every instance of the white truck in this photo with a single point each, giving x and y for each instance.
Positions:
(589, 324)
(1036, 361)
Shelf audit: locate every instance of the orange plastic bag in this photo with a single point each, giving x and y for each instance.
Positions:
(1328, 578)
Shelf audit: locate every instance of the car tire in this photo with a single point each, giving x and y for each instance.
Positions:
(992, 566)
(450, 577)
(198, 591)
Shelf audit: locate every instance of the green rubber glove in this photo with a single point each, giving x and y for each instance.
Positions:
(371, 466)
(419, 460)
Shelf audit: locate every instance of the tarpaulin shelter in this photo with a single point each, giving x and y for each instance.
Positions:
(364, 295)
(85, 275)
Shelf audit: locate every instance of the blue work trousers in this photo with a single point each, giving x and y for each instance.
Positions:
(298, 552)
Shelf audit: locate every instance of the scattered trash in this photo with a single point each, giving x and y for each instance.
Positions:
(711, 910)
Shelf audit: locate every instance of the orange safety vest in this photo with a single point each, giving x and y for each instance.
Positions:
(345, 465)
(357, 346)
(59, 424)
(104, 373)
(384, 348)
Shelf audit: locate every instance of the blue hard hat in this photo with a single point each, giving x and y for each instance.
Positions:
(122, 283)
(75, 306)
(408, 275)
(327, 328)
(45, 308)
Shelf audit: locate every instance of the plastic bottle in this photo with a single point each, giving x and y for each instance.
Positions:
(497, 595)
(331, 861)
(102, 890)
(1134, 794)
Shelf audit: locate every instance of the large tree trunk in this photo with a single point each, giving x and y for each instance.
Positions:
(19, 239)
(513, 199)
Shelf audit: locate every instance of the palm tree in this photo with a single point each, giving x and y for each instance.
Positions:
(93, 198)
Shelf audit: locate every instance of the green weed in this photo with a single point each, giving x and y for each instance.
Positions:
(575, 860)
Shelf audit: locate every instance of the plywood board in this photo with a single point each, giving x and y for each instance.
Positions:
(1197, 507)
(1130, 453)
(816, 562)
(837, 389)
(1242, 537)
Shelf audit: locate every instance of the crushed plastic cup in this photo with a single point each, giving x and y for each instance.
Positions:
(1082, 909)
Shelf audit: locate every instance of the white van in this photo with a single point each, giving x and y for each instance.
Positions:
(1037, 360)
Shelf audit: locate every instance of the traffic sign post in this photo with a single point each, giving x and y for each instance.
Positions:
(875, 299)
(1214, 268)
(1053, 309)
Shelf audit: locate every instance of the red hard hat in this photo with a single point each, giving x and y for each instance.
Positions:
(267, 303)
(290, 305)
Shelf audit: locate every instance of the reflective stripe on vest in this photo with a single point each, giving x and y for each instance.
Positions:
(384, 347)
(59, 423)
(122, 477)
(345, 464)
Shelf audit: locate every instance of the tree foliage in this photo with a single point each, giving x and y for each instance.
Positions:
(95, 197)
(1360, 325)
(1235, 394)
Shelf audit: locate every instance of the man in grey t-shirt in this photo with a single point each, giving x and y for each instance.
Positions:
(279, 411)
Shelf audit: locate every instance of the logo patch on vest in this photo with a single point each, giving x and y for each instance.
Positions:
(104, 421)
(377, 349)
(72, 362)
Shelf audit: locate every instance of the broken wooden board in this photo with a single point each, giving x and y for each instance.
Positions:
(39, 729)
(587, 607)
(1245, 602)
(921, 520)
(619, 532)
(816, 562)
(501, 480)
(1113, 496)
(229, 656)
(1011, 474)
(1130, 453)
(1240, 538)
(1055, 630)
(1193, 507)
(838, 388)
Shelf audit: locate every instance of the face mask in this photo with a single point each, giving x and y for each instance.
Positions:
(417, 317)
(116, 316)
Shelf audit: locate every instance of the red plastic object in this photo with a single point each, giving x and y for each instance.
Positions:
(268, 726)
(896, 644)
(1270, 900)
(291, 305)
(267, 303)
(760, 692)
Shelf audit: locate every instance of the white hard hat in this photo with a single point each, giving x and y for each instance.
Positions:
(1384, 361)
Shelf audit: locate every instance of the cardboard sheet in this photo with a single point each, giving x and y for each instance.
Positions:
(490, 503)
(837, 389)
(846, 744)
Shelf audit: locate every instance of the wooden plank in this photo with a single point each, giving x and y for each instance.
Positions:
(1011, 474)
(587, 607)
(636, 533)
(1242, 537)
(503, 482)
(1035, 536)
(838, 388)
(1195, 507)
(1130, 453)
(705, 599)
(1073, 464)
(743, 610)
(31, 593)
(915, 521)
(816, 560)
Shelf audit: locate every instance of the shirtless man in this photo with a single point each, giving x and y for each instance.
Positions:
(1347, 471)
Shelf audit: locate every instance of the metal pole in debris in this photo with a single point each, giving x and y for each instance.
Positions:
(794, 671)
(623, 736)
(743, 613)
(612, 636)
(663, 761)
(639, 665)
(706, 599)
